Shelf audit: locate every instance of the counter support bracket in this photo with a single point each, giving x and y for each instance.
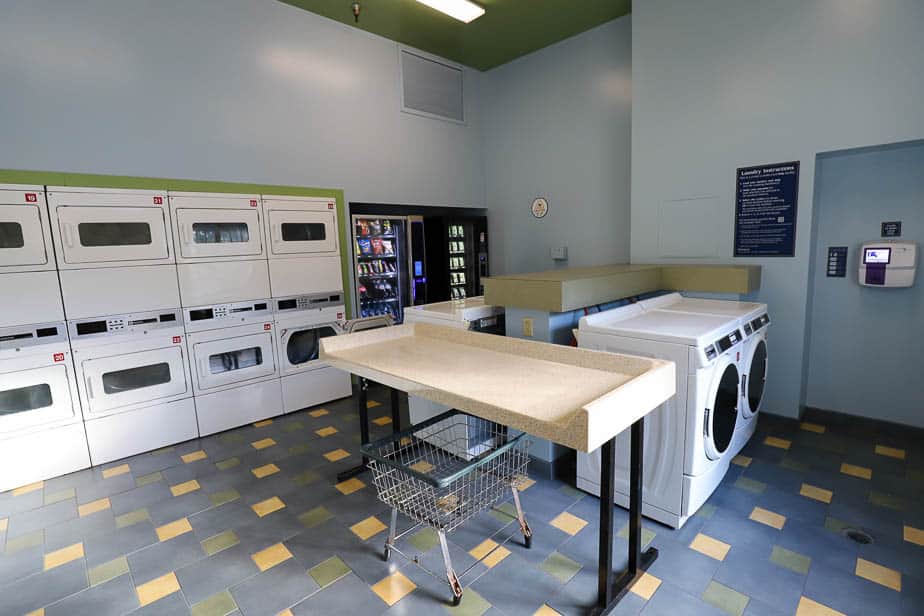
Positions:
(611, 590)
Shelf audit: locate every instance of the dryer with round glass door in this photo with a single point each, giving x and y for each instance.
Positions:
(41, 427)
(688, 439)
(301, 322)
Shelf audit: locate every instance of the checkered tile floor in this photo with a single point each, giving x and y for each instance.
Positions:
(253, 521)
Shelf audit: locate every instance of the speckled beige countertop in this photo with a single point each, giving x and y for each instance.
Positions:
(575, 397)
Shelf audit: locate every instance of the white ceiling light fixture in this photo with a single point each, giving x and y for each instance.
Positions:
(463, 10)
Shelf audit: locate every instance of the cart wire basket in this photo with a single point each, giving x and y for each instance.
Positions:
(443, 472)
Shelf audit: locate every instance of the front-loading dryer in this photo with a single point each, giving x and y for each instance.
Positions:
(301, 323)
(235, 372)
(134, 382)
(41, 427)
(27, 259)
(688, 438)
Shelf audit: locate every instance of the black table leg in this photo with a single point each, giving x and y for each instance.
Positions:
(360, 393)
(395, 410)
(609, 594)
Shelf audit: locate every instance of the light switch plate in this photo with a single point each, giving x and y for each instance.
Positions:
(560, 253)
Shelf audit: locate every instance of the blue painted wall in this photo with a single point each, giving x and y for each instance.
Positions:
(866, 345)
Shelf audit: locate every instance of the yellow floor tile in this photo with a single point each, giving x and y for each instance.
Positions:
(115, 471)
(422, 467)
(545, 610)
(263, 424)
(185, 488)
(891, 452)
(337, 454)
(319, 413)
(568, 523)
(713, 548)
(157, 589)
(93, 506)
(264, 508)
(271, 556)
(524, 483)
(890, 578)
(495, 557)
(767, 517)
(812, 427)
(371, 404)
(779, 443)
(912, 535)
(173, 529)
(816, 493)
(326, 431)
(263, 443)
(490, 552)
(369, 527)
(807, 607)
(32, 487)
(4, 523)
(856, 471)
(742, 461)
(194, 456)
(394, 588)
(265, 471)
(63, 556)
(38, 612)
(350, 485)
(382, 421)
(285, 612)
(646, 586)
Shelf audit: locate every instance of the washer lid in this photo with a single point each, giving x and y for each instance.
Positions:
(468, 309)
(690, 329)
(675, 302)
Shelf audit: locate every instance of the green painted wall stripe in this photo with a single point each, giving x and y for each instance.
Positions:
(57, 178)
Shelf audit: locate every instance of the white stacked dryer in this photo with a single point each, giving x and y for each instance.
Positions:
(688, 438)
(235, 373)
(754, 321)
(133, 378)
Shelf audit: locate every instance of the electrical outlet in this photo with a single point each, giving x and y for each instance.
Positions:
(527, 327)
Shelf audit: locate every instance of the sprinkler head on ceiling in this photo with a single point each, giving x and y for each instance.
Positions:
(356, 9)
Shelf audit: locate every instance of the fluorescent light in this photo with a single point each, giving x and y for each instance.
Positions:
(463, 10)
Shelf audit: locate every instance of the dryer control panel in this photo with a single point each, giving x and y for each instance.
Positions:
(124, 324)
(204, 318)
(307, 302)
(756, 324)
(723, 344)
(16, 338)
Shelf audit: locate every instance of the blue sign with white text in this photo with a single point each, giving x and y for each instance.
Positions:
(765, 210)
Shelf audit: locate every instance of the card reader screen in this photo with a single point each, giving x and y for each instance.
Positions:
(877, 255)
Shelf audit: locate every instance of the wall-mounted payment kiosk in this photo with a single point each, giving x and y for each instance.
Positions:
(888, 264)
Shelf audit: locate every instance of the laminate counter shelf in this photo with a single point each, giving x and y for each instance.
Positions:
(574, 397)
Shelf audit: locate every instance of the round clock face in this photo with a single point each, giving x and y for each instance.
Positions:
(540, 207)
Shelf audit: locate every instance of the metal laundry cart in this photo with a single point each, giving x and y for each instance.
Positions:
(444, 471)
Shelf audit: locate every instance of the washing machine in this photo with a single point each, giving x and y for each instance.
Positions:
(220, 247)
(134, 382)
(114, 251)
(41, 427)
(753, 321)
(301, 322)
(304, 246)
(27, 260)
(688, 438)
(235, 373)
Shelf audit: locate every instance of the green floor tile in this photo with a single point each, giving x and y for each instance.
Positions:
(647, 535)
(108, 571)
(424, 540)
(791, 560)
(226, 464)
(61, 495)
(220, 604)
(571, 492)
(232, 437)
(472, 604)
(834, 525)
(505, 513)
(18, 544)
(306, 477)
(300, 449)
(916, 476)
(794, 465)
(560, 567)
(329, 571)
(316, 516)
(225, 496)
(219, 542)
(707, 510)
(728, 600)
(294, 427)
(149, 478)
(132, 517)
(888, 501)
(750, 485)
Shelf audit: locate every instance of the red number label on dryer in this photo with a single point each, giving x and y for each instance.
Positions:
(253, 203)
(330, 206)
(158, 200)
(339, 315)
(59, 356)
(267, 327)
(177, 339)
(31, 198)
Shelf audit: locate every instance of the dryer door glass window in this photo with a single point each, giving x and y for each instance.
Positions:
(303, 232)
(136, 378)
(756, 376)
(220, 232)
(25, 399)
(22, 240)
(235, 360)
(11, 235)
(304, 345)
(724, 414)
(100, 234)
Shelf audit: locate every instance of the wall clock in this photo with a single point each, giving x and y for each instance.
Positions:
(539, 207)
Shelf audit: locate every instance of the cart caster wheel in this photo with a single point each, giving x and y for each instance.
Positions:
(528, 542)
(527, 536)
(456, 600)
(456, 590)
(386, 555)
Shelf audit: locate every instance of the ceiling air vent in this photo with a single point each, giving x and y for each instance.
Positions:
(431, 88)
